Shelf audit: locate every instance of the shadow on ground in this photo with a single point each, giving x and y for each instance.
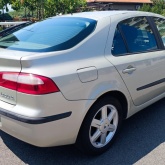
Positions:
(139, 135)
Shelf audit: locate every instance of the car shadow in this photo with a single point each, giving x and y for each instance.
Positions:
(140, 134)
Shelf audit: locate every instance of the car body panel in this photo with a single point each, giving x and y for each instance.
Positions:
(68, 81)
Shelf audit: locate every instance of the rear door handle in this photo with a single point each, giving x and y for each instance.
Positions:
(129, 70)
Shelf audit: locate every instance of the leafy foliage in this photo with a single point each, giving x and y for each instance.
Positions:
(45, 8)
(158, 7)
(3, 4)
(54, 7)
(5, 16)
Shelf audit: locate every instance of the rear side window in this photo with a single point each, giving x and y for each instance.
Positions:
(138, 34)
(53, 34)
(160, 24)
(118, 46)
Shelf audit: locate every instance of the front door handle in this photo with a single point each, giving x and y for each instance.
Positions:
(129, 70)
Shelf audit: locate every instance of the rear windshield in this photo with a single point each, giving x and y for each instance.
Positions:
(52, 34)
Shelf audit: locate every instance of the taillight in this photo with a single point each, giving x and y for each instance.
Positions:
(9, 80)
(27, 83)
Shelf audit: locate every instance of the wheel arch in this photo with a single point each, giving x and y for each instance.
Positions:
(121, 98)
(116, 94)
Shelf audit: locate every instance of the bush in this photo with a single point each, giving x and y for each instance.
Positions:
(5, 16)
(158, 6)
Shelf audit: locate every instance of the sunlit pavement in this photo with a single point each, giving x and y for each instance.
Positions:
(156, 156)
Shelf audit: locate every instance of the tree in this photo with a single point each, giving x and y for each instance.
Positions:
(16, 4)
(50, 8)
(3, 6)
(32, 6)
(47, 8)
(158, 6)
(145, 7)
(54, 7)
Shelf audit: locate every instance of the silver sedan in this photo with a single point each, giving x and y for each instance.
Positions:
(74, 78)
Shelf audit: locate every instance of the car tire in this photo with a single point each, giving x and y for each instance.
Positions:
(100, 126)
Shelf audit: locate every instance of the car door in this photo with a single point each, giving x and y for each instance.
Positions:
(138, 58)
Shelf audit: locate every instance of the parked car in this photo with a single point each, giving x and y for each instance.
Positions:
(74, 78)
(13, 29)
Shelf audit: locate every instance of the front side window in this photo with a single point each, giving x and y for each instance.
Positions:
(160, 24)
(138, 34)
(52, 34)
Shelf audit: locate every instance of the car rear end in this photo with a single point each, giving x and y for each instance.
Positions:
(45, 120)
(32, 106)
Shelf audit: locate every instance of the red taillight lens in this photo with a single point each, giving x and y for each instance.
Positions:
(27, 83)
(9, 80)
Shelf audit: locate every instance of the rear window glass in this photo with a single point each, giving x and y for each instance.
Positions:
(53, 34)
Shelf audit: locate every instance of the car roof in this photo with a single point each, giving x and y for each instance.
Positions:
(97, 14)
(102, 14)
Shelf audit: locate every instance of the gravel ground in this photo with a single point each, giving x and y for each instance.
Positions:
(141, 142)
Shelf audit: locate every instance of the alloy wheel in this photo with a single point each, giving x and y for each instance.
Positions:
(103, 126)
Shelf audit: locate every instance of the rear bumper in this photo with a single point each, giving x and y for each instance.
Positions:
(59, 126)
(49, 134)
